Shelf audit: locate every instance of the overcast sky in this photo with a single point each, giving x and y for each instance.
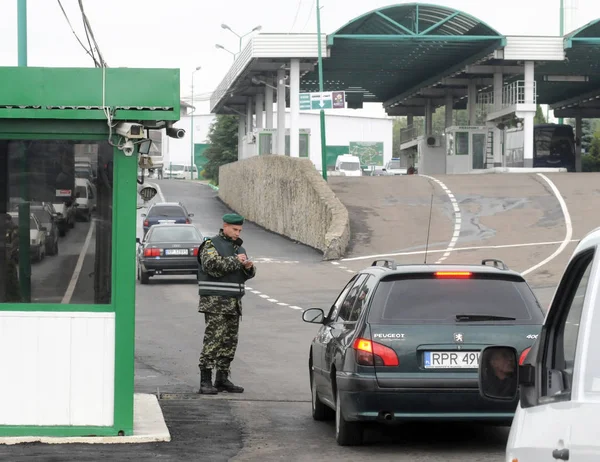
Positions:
(182, 33)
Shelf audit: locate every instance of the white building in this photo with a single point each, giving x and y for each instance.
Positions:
(345, 130)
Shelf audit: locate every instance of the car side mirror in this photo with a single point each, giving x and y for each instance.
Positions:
(498, 373)
(190, 214)
(138, 240)
(313, 316)
(143, 215)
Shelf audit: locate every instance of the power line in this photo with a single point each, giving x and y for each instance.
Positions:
(309, 15)
(296, 16)
(88, 51)
(88, 26)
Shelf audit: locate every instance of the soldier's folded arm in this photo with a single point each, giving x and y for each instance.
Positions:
(250, 272)
(216, 265)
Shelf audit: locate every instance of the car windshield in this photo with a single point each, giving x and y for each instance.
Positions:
(443, 301)
(175, 234)
(166, 211)
(394, 164)
(177, 168)
(42, 216)
(350, 166)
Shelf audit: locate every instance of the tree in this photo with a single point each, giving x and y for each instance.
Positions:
(539, 116)
(595, 145)
(223, 139)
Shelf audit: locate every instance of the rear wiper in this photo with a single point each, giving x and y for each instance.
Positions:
(482, 317)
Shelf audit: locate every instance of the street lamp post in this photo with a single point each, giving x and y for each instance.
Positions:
(226, 27)
(221, 47)
(192, 128)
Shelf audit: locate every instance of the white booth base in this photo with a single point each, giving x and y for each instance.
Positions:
(148, 427)
(58, 368)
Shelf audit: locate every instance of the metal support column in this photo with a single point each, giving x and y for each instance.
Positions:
(295, 108)
(529, 115)
(259, 111)
(498, 103)
(449, 110)
(24, 209)
(249, 114)
(472, 102)
(269, 103)
(428, 118)
(281, 105)
(578, 136)
(241, 134)
(321, 112)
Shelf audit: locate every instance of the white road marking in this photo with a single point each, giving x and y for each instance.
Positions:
(256, 292)
(456, 249)
(283, 304)
(272, 300)
(568, 225)
(264, 296)
(457, 218)
(75, 277)
(294, 307)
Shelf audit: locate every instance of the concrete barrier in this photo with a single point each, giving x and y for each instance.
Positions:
(287, 196)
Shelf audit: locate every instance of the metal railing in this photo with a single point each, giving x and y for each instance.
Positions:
(412, 132)
(512, 94)
(238, 66)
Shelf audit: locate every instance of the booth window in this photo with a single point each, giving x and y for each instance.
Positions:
(64, 254)
(462, 143)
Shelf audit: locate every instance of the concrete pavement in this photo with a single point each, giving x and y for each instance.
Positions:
(271, 420)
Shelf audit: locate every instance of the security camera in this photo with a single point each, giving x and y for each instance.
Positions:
(128, 148)
(131, 130)
(175, 132)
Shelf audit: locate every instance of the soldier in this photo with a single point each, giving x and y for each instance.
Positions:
(223, 271)
(11, 242)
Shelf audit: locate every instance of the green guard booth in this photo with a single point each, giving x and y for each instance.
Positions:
(67, 265)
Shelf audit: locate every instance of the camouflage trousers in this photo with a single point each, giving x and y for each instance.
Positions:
(220, 341)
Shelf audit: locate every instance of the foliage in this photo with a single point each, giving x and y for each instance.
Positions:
(223, 139)
(539, 116)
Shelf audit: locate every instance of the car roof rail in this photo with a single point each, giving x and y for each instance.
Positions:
(495, 263)
(391, 264)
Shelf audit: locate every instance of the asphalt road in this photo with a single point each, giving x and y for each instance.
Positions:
(271, 420)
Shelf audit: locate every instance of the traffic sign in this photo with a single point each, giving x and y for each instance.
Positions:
(324, 100)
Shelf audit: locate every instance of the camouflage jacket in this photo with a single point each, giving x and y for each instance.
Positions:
(218, 266)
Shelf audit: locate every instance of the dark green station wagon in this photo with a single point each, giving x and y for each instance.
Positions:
(402, 343)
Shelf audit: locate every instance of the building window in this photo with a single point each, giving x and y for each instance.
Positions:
(64, 256)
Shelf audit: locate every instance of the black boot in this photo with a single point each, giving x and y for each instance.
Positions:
(222, 383)
(206, 386)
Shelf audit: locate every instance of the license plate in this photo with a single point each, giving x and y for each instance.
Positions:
(451, 360)
(176, 251)
(167, 221)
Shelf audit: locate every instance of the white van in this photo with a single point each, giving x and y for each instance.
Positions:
(559, 381)
(85, 196)
(348, 165)
(179, 172)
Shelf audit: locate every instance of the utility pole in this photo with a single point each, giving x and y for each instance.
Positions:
(24, 208)
(322, 112)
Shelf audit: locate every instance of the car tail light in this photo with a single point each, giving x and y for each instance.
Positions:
(453, 274)
(152, 252)
(369, 353)
(187, 221)
(146, 222)
(523, 356)
(195, 251)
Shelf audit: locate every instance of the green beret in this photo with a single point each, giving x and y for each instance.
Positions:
(233, 219)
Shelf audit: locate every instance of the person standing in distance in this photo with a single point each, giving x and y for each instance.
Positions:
(223, 271)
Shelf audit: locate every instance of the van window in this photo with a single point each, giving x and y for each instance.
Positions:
(349, 166)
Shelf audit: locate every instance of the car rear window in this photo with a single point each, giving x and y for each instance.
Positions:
(429, 300)
(166, 211)
(175, 234)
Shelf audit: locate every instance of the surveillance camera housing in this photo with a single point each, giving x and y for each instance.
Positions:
(128, 148)
(131, 131)
(173, 132)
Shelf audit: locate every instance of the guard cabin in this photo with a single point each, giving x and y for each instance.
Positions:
(67, 295)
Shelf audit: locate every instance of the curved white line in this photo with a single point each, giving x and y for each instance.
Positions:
(568, 225)
(457, 219)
